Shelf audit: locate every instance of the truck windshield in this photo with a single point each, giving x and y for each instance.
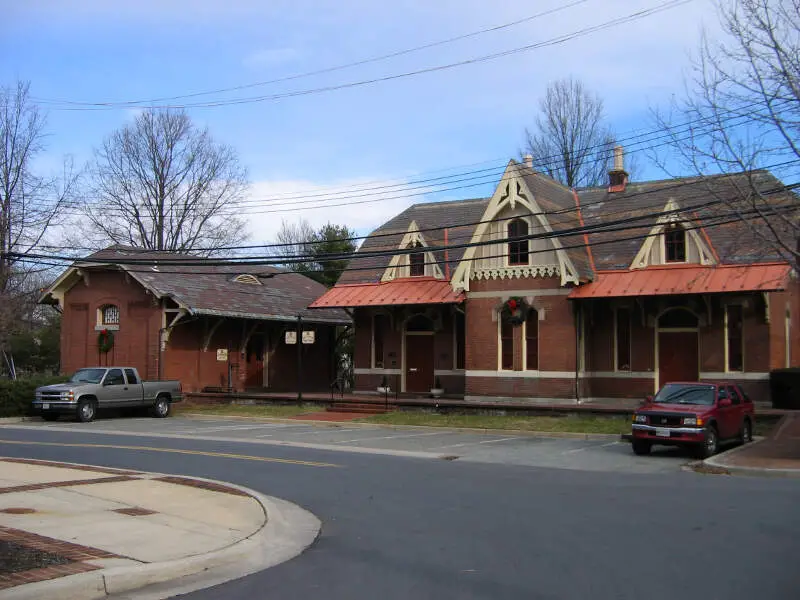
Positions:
(677, 393)
(87, 376)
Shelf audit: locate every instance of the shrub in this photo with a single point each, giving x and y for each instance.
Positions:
(17, 395)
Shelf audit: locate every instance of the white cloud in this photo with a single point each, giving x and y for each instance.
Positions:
(362, 204)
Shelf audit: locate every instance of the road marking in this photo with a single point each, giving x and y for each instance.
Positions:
(175, 451)
(473, 443)
(500, 440)
(575, 450)
(226, 428)
(392, 437)
(610, 444)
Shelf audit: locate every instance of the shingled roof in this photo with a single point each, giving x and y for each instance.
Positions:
(459, 217)
(733, 243)
(213, 290)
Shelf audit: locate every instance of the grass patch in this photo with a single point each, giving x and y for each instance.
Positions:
(247, 410)
(568, 424)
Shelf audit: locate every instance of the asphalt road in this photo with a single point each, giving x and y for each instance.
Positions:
(399, 527)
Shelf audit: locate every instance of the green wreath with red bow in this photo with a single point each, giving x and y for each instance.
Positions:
(515, 309)
(105, 341)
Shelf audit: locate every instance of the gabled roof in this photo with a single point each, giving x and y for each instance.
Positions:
(431, 218)
(212, 290)
(733, 243)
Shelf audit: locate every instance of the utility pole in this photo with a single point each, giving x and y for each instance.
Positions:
(299, 358)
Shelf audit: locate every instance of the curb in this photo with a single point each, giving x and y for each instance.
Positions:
(348, 424)
(19, 419)
(288, 530)
(719, 462)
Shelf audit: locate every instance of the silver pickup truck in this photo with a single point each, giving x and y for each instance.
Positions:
(105, 387)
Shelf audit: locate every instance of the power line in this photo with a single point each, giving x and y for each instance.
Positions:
(669, 4)
(395, 54)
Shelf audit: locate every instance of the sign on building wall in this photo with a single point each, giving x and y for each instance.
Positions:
(308, 337)
(222, 354)
(291, 337)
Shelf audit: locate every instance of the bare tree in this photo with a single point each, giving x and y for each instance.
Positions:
(161, 183)
(294, 240)
(571, 142)
(30, 204)
(741, 113)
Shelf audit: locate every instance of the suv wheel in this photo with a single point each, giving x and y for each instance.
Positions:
(641, 447)
(86, 411)
(711, 443)
(747, 432)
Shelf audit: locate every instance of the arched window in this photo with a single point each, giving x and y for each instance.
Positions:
(532, 340)
(674, 244)
(416, 261)
(109, 315)
(517, 250)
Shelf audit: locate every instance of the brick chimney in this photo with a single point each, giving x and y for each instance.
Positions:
(528, 161)
(618, 176)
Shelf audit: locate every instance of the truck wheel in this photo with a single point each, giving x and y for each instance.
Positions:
(711, 444)
(86, 411)
(747, 432)
(641, 447)
(161, 407)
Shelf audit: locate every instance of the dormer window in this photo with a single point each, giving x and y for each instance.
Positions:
(675, 244)
(247, 278)
(416, 262)
(518, 249)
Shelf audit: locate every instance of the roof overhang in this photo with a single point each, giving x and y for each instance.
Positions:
(211, 312)
(408, 291)
(685, 279)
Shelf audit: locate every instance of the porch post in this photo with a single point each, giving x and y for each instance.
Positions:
(299, 358)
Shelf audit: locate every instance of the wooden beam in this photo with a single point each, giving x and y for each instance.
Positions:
(210, 333)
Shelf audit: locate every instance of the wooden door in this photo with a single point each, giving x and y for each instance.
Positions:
(255, 362)
(677, 356)
(419, 363)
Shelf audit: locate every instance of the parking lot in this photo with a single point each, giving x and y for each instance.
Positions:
(608, 454)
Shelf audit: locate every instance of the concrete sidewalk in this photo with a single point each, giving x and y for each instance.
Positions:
(778, 455)
(78, 531)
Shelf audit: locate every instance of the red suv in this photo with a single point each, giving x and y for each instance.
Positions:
(699, 415)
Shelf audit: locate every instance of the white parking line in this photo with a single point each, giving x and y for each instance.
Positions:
(392, 437)
(461, 445)
(500, 440)
(226, 428)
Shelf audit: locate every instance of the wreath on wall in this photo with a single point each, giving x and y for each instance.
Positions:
(515, 309)
(105, 341)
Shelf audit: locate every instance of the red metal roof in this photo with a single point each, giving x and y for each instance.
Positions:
(685, 279)
(418, 290)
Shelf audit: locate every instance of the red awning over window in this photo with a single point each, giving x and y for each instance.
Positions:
(418, 290)
(685, 279)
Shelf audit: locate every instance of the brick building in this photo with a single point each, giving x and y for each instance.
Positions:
(211, 327)
(547, 293)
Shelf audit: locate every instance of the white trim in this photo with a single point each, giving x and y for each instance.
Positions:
(363, 371)
(618, 375)
(500, 199)
(525, 341)
(735, 375)
(516, 272)
(523, 374)
(508, 293)
(787, 331)
(726, 338)
(616, 337)
(449, 372)
(400, 262)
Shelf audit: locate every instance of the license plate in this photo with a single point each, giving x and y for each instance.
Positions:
(45, 406)
(661, 432)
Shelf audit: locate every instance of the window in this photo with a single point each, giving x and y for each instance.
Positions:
(109, 315)
(130, 374)
(735, 399)
(114, 377)
(675, 244)
(723, 393)
(517, 251)
(622, 339)
(734, 324)
(378, 328)
(416, 262)
(247, 278)
(532, 340)
(460, 333)
(506, 344)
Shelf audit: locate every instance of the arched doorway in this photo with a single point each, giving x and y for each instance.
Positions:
(677, 352)
(418, 354)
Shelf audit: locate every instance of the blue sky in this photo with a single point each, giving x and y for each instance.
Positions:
(94, 50)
